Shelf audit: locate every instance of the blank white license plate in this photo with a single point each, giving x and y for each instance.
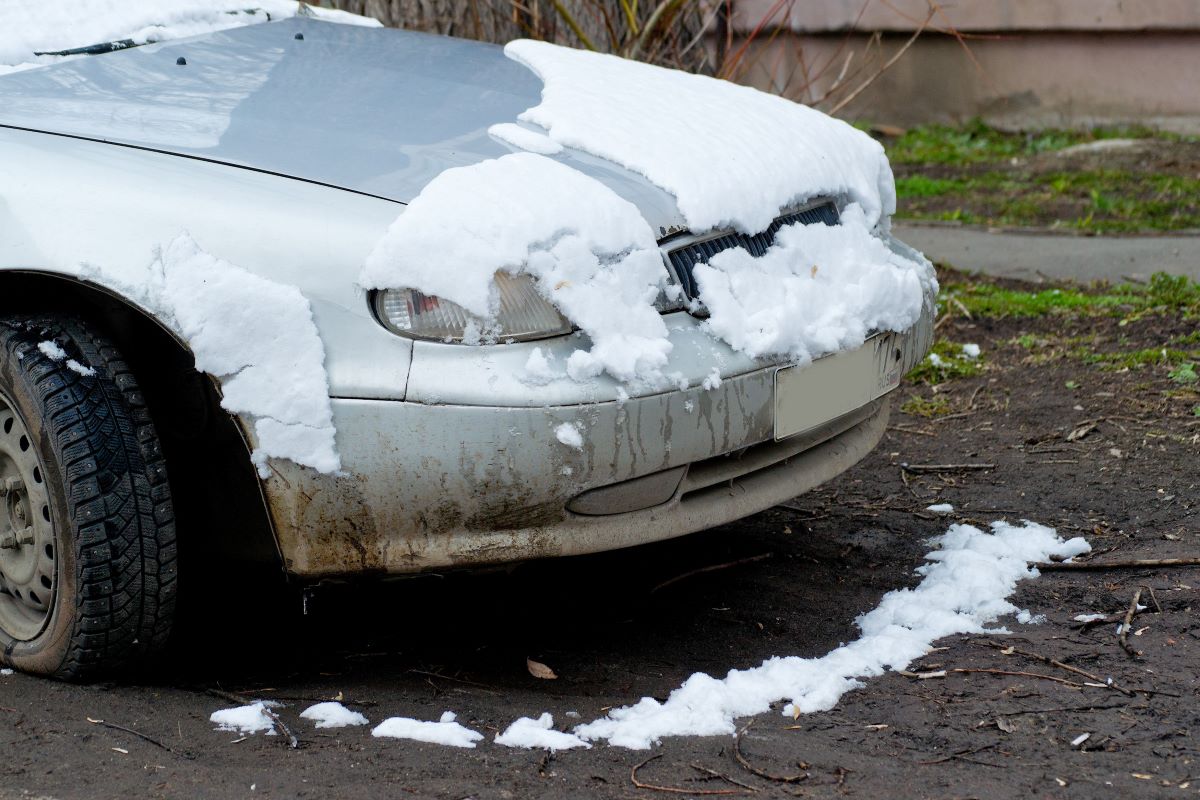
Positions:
(809, 396)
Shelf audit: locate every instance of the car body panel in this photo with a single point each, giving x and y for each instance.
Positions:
(431, 486)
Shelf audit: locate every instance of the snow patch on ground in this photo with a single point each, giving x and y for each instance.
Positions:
(5, 672)
(569, 435)
(971, 350)
(965, 587)
(1089, 617)
(940, 508)
(538, 734)
(256, 336)
(244, 719)
(332, 714)
(731, 155)
(31, 26)
(445, 731)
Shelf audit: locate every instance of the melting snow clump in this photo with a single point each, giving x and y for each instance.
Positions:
(525, 139)
(333, 715)
(590, 249)
(1089, 617)
(964, 588)
(971, 350)
(53, 352)
(244, 719)
(940, 508)
(538, 733)
(445, 731)
(569, 435)
(645, 118)
(258, 337)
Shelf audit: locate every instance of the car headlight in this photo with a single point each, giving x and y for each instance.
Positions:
(524, 314)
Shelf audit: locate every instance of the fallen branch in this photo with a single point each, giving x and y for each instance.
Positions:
(283, 729)
(1060, 665)
(945, 467)
(712, 568)
(741, 759)
(722, 776)
(674, 789)
(142, 736)
(1136, 563)
(1018, 673)
(1123, 637)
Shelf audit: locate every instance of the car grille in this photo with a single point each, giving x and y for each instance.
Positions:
(684, 259)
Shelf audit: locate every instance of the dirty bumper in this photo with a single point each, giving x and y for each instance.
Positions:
(440, 486)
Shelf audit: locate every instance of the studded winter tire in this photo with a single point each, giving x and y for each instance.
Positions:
(87, 534)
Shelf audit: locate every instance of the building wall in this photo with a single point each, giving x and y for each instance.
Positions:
(1021, 63)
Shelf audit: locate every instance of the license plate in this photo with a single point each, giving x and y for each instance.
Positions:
(809, 396)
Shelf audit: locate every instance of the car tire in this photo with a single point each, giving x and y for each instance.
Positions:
(87, 532)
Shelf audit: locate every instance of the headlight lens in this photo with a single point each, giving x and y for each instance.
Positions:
(524, 314)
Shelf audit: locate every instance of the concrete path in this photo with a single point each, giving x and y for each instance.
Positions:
(1036, 256)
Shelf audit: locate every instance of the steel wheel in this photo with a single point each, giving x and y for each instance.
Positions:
(28, 549)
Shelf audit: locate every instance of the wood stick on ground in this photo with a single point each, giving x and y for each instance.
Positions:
(142, 736)
(945, 467)
(712, 568)
(741, 759)
(283, 729)
(1135, 563)
(1056, 663)
(674, 789)
(722, 776)
(1123, 638)
(1018, 673)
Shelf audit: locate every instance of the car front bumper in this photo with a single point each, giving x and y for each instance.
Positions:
(436, 486)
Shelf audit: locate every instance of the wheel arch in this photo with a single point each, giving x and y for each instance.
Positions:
(221, 512)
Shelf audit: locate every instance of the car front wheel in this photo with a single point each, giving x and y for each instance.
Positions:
(87, 536)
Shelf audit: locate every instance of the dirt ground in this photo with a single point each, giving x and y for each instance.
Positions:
(1110, 455)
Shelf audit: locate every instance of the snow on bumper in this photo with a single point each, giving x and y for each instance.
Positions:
(436, 486)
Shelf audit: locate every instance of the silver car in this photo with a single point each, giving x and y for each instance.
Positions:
(275, 146)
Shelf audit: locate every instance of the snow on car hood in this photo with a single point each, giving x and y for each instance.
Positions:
(730, 155)
(371, 110)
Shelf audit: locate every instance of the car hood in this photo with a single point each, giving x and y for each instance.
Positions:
(370, 110)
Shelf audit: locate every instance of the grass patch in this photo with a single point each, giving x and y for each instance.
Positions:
(946, 361)
(976, 174)
(917, 406)
(1149, 357)
(977, 142)
(1164, 293)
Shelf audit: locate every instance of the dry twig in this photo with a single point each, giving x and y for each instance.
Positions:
(741, 759)
(713, 568)
(141, 736)
(945, 467)
(1123, 637)
(674, 789)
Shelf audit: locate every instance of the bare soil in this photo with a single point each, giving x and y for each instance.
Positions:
(614, 630)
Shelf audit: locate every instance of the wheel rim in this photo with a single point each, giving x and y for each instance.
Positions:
(28, 550)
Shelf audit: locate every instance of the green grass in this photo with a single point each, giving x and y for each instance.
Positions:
(972, 179)
(917, 406)
(977, 142)
(1163, 293)
(952, 363)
